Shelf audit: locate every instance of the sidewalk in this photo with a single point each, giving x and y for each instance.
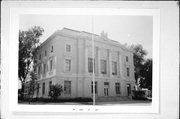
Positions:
(131, 102)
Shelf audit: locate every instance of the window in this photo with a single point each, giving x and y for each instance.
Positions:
(128, 89)
(68, 65)
(44, 71)
(90, 65)
(39, 56)
(43, 89)
(50, 83)
(67, 87)
(52, 49)
(127, 59)
(114, 68)
(45, 53)
(103, 66)
(47, 68)
(128, 71)
(95, 87)
(39, 69)
(117, 88)
(106, 83)
(68, 48)
(37, 89)
(51, 63)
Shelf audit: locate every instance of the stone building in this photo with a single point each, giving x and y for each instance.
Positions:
(68, 57)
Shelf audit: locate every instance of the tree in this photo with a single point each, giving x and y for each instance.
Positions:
(28, 48)
(55, 91)
(33, 85)
(143, 67)
(138, 56)
(146, 82)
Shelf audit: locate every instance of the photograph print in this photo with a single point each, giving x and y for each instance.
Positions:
(85, 60)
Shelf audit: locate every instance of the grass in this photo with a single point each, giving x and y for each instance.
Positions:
(49, 100)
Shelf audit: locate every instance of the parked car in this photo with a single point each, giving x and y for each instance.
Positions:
(143, 94)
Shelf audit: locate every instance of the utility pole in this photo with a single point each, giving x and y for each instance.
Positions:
(93, 60)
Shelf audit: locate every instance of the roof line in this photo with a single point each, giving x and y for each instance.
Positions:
(71, 29)
(125, 48)
(90, 33)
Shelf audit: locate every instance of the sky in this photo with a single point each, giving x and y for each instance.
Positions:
(124, 29)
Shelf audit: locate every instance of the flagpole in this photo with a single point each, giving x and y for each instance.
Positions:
(93, 60)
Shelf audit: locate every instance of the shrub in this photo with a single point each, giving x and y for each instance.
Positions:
(139, 95)
(55, 91)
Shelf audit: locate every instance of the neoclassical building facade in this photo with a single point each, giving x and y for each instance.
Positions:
(68, 57)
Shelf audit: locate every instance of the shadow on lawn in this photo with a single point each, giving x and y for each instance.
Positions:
(49, 100)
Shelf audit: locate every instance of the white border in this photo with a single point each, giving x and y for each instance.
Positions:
(13, 60)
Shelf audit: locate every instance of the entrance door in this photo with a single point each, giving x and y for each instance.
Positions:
(128, 89)
(106, 91)
(106, 88)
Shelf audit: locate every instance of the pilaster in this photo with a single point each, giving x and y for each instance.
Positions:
(86, 60)
(119, 65)
(98, 61)
(109, 63)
